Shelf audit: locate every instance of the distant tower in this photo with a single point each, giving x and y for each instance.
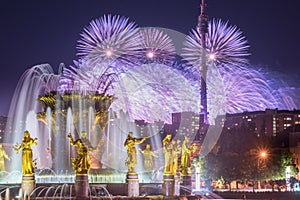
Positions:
(203, 30)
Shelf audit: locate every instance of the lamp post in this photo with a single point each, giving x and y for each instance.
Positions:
(262, 156)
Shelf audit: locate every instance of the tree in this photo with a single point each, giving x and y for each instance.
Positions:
(280, 159)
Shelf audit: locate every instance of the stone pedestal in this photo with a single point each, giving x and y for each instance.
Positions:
(132, 180)
(187, 185)
(28, 185)
(82, 186)
(168, 187)
(177, 184)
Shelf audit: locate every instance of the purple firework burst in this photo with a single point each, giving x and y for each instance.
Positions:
(108, 38)
(244, 89)
(225, 44)
(87, 78)
(153, 91)
(156, 46)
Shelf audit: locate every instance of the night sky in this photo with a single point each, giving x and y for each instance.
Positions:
(46, 31)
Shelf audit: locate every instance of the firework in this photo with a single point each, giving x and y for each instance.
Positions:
(244, 88)
(86, 77)
(225, 44)
(187, 70)
(153, 91)
(108, 38)
(156, 46)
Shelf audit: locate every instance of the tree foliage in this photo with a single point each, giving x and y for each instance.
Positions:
(238, 157)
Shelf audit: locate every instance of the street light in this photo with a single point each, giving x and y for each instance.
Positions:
(261, 164)
(263, 154)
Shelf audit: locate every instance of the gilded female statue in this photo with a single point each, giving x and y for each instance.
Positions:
(169, 155)
(148, 158)
(25, 146)
(176, 152)
(82, 163)
(3, 155)
(130, 143)
(187, 150)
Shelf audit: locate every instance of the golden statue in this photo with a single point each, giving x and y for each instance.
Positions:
(95, 153)
(3, 156)
(176, 152)
(27, 162)
(148, 158)
(186, 156)
(82, 163)
(169, 155)
(130, 143)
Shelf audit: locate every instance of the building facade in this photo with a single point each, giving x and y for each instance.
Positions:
(269, 122)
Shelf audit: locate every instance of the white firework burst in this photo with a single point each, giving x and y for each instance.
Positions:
(156, 46)
(108, 38)
(225, 44)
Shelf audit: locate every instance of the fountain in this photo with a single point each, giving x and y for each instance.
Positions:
(64, 112)
(131, 77)
(98, 98)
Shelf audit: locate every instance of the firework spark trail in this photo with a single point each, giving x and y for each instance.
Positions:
(230, 90)
(290, 96)
(108, 38)
(190, 72)
(246, 89)
(225, 45)
(155, 91)
(86, 77)
(156, 46)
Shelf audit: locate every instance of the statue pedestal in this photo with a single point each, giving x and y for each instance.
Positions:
(168, 185)
(177, 184)
(132, 180)
(28, 185)
(82, 186)
(187, 184)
